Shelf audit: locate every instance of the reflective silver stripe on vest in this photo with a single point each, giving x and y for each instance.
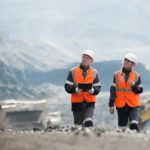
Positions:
(136, 76)
(113, 84)
(97, 84)
(123, 90)
(140, 85)
(73, 70)
(69, 82)
(116, 78)
(95, 72)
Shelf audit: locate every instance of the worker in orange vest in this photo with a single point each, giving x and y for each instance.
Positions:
(124, 93)
(83, 84)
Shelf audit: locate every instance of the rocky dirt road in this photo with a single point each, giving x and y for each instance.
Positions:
(81, 140)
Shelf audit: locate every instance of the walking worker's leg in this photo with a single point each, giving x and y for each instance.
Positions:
(133, 118)
(88, 117)
(122, 117)
(78, 117)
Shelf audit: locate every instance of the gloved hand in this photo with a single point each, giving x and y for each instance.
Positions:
(91, 91)
(131, 83)
(78, 90)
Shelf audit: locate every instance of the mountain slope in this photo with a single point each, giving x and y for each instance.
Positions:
(22, 70)
(31, 73)
(106, 70)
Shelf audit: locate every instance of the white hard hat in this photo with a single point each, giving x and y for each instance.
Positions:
(131, 57)
(89, 53)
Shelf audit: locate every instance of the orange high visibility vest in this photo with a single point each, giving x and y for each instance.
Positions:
(124, 93)
(78, 78)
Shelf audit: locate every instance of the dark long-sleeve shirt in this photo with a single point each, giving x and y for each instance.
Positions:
(137, 88)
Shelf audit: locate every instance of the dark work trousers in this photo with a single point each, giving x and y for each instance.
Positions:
(127, 115)
(83, 112)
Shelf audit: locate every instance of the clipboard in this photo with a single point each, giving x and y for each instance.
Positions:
(85, 86)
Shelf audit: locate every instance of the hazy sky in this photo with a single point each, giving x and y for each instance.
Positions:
(110, 27)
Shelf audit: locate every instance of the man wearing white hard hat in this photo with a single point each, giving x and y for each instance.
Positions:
(124, 93)
(83, 84)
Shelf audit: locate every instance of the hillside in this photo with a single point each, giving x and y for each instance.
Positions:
(106, 70)
(38, 72)
(15, 83)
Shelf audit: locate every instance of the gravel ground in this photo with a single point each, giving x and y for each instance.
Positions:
(70, 139)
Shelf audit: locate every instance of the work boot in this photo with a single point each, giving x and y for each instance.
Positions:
(88, 123)
(134, 126)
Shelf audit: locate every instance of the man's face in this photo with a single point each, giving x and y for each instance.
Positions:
(86, 60)
(128, 64)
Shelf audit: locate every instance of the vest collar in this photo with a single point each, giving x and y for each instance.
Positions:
(125, 71)
(84, 68)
